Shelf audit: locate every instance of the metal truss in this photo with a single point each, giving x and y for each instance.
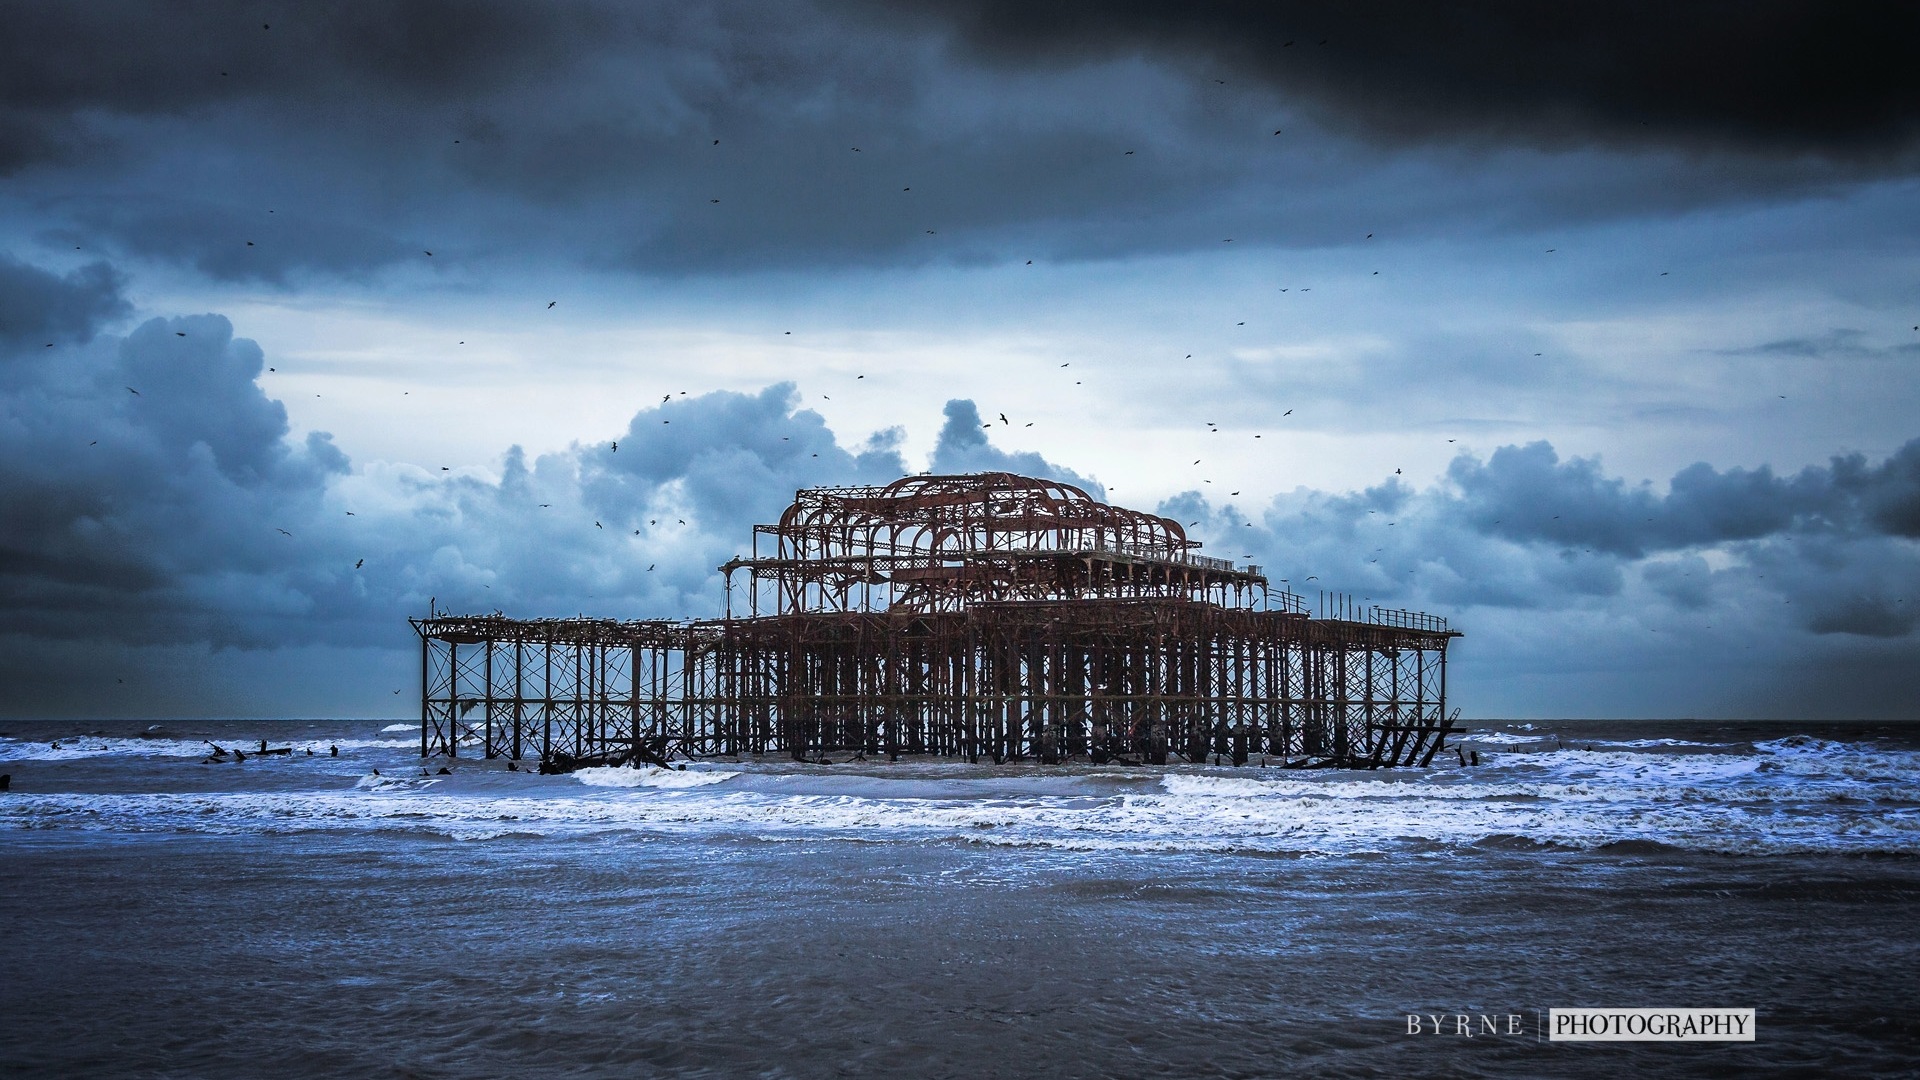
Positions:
(986, 616)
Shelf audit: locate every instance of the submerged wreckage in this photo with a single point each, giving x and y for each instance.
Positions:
(981, 616)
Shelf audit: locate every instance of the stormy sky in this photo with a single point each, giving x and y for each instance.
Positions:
(1594, 327)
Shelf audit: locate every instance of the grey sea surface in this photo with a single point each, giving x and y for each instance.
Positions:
(169, 913)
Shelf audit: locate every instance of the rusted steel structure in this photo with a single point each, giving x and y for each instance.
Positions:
(986, 616)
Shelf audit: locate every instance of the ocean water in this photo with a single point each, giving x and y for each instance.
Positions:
(165, 913)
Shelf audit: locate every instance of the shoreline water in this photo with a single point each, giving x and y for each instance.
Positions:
(302, 916)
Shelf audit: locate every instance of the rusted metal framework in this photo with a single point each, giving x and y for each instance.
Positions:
(987, 616)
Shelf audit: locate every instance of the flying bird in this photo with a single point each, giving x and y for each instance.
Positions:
(349, 513)
(1289, 412)
(179, 333)
(616, 446)
(132, 391)
(282, 532)
(429, 253)
(597, 525)
(358, 563)
(1003, 418)
(550, 304)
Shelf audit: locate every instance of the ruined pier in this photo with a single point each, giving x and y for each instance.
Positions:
(987, 617)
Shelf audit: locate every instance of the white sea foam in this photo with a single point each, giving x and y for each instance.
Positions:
(401, 727)
(1501, 738)
(1788, 795)
(651, 776)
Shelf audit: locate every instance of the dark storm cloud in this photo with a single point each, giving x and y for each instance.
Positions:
(186, 513)
(143, 474)
(156, 496)
(1785, 77)
(1830, 549)
(1528, 494)
(348, 139)
(160, 58)
(41, 308)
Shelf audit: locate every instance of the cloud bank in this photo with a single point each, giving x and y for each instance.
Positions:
(157, 499)
(344, 142)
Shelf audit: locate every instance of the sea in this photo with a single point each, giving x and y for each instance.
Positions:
(347, 909)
